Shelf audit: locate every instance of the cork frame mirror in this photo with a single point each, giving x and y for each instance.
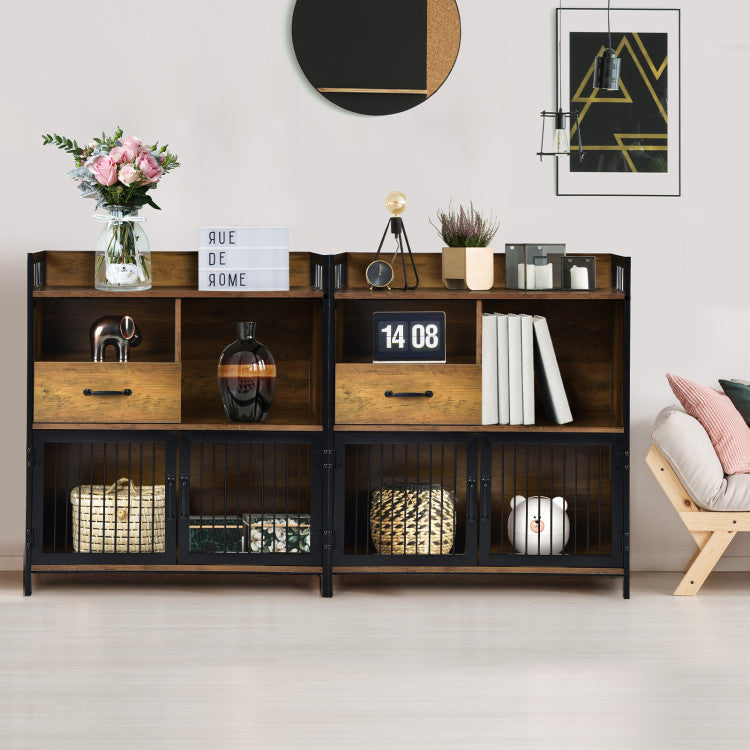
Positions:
(376, 57)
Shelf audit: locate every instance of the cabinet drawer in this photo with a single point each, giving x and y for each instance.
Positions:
(456, 394)
(59, 392)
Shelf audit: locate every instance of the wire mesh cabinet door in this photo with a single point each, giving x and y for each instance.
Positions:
(552, 504)
(103, 497)
(405, 499)
(250, 499)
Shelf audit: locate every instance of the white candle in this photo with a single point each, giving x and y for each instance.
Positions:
(526, 276)
(543, 276)
(579, 277)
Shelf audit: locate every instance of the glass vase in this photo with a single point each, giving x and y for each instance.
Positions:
(123, 252)
(247, 377)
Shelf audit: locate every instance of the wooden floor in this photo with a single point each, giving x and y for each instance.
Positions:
(243, 662)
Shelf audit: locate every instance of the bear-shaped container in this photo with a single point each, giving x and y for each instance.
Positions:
(538, 525)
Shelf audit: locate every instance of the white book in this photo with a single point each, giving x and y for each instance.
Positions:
(554, 398)
(503, 394)
(515, 387)
(527, 368)
(489, 369)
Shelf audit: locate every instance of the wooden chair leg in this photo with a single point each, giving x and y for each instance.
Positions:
(692, 559)
(704, 563)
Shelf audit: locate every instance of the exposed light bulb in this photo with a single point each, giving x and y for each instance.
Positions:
(560, 143)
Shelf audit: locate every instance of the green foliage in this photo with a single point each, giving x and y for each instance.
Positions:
(63, 143)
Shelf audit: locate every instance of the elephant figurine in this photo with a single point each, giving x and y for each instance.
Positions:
(120, 331)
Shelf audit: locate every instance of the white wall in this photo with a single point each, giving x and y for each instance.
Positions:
(220, 83)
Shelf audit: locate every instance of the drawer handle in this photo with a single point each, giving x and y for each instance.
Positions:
(426, 394)
(125, 392)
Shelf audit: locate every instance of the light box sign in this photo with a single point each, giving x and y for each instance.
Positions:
(408, 337)
(243, 259)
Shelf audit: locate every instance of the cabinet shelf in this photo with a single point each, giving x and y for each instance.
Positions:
(440, 293)
(540, 427)
(172, 292)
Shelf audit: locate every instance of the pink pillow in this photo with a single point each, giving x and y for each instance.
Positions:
(725, 426)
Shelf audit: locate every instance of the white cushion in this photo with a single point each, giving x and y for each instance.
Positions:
(687, 447)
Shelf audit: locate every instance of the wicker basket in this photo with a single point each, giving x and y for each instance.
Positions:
(118, 518)
(412, 519)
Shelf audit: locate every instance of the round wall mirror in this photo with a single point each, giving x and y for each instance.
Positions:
(376, 57)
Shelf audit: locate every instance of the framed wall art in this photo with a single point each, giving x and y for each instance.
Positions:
(631, 137)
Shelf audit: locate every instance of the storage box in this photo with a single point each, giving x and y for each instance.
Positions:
(118, 518)
(216, 534)
(269, 532)
(412, 519)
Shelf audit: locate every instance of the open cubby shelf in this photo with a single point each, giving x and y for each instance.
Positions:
(333, 463)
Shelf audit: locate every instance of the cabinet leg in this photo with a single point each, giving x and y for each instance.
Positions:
(326, 584)
(626, 585)
(27, 579)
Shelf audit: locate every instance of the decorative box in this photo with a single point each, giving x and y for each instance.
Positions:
(533, 266)
(269, 532)
(216, 534)
(579, 272)
(118, 518)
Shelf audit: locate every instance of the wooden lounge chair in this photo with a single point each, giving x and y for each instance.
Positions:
(712, 530)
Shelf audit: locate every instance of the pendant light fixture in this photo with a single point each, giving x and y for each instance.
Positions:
(607, 65)
(559, 145)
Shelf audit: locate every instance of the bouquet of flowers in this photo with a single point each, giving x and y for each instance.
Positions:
(118, 172)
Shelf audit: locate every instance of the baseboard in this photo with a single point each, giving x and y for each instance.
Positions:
(11, 562)
(645, 564)
(672, 564)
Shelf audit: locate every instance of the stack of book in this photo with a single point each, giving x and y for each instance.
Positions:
(513, 347)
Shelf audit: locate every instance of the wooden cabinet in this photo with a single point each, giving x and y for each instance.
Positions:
(156, 426)
(351, 450)
(433, 437)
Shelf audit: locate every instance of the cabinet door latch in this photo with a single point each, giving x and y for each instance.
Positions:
(329, 458)
(329, 539)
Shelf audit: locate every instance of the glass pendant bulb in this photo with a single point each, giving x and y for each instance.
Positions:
(560, 144)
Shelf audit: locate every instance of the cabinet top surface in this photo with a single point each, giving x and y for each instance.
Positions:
(70, 274)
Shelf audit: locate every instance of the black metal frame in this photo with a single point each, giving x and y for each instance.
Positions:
(311, 439)
(328, 456)
(43, 437)
(490, 505)
(461, 559)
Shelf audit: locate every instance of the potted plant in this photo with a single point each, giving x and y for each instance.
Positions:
(468, 258)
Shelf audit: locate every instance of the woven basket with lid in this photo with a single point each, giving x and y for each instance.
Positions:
(412, 519)
(118, 518)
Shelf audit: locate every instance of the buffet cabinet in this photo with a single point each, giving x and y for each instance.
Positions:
(133, 466)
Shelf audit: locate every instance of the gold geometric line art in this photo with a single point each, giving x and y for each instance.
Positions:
(662, 67)
(624, 43)
(634, 147)
(578, 96)
(619, 137)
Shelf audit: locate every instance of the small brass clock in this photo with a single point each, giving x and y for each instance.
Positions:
(379, 275)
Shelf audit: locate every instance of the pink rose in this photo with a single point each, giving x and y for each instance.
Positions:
(128, 174)
(150, 168)
(104, 170)
(131, 146)
(118, 155)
